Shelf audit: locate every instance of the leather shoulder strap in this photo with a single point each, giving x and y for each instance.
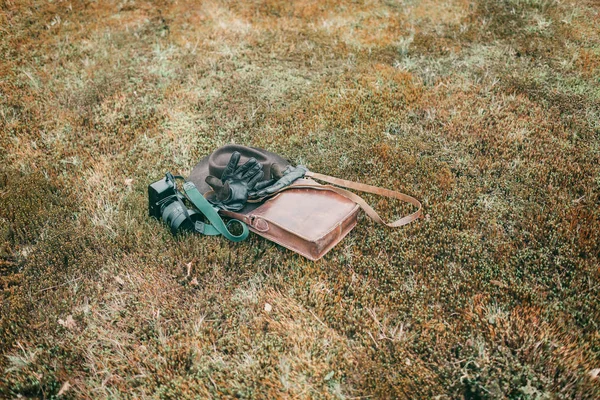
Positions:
(369, 189)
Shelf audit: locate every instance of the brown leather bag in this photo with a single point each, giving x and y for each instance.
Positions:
(303, 219)
(307, 217)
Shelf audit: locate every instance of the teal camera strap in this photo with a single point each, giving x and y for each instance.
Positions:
(218, 226)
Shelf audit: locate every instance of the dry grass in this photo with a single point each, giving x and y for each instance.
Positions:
(487, 110)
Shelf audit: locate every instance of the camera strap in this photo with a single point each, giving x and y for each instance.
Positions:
(218, 225)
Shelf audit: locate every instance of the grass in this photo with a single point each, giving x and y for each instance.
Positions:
(486, 110)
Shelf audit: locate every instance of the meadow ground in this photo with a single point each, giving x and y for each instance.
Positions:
(487, 110)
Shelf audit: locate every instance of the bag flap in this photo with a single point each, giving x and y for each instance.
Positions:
(308, 213)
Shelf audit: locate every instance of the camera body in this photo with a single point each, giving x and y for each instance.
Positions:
(157, 193)
(166, 202)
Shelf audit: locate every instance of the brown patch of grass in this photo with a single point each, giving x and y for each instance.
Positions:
(589, 62)
(486, 114)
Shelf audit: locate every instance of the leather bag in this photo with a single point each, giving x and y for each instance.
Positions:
(307, 217)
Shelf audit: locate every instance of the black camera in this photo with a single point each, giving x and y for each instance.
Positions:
(166, 202)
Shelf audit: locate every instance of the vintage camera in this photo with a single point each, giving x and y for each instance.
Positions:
(166, 202)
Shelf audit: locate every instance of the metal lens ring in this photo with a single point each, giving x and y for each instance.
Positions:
(174, 216)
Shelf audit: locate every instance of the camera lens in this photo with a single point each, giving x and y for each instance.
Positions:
(174, 216)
